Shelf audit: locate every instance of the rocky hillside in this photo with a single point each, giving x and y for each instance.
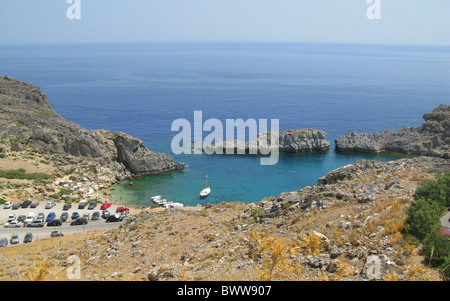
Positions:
(28, 122)
(348, 227)
(429, 139)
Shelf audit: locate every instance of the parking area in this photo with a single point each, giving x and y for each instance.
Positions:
(65, 228)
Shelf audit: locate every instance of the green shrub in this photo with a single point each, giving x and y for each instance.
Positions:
(255, 212)
(437, 249)
(423, 218)
(432, 191)
(20, 174)
(444, 180)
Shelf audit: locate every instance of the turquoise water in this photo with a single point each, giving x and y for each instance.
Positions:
(142, 88)
(238, 178)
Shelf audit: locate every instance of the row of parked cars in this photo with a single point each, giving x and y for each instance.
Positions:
(76, 219)
(15, 239)
(50, 204)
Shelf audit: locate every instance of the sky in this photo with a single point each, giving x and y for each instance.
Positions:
(419, 22)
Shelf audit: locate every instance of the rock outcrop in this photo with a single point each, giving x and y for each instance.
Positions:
(429, 139)
(364, 181)
(290, 141)
(27, 121)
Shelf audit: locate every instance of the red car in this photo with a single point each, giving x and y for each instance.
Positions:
(105, 205)
(122, 209)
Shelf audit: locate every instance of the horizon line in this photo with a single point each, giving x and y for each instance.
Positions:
(219, 42)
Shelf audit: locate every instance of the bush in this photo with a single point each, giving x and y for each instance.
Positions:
(423, 221)
(423, 218)
(20, 174)
(444, 180)
(437, 249)
(432, 191)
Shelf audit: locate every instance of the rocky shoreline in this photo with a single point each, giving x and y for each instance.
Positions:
(429, 139)
(29, 124)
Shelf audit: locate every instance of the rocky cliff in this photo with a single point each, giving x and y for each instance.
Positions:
(28, 122)
(290, 141)
(429, 139)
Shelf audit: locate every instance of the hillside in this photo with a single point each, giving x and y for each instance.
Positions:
(28, 124)
(324, 232)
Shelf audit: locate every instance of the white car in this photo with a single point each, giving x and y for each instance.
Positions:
(30, 218)
(11, 217)
(7, 205)
(13, 224)
(50, 205)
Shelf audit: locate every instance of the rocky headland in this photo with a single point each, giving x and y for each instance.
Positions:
(28, 124)
(429, 139)
(290, 141)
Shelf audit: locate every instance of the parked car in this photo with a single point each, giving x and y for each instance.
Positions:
(3, 242)
(16, 205)
(67, 207)
(82, 204)
(105, 214)
(51, 216)
(13, 224)
(21, 218)
(36, 223)
(95, 216)
(34, 204)
(26, 204)
(122, 209)
(56, 234)
(40, 216)
(7, 205)
(54, 222)
(28, 238)
(64, 216)
(50, 205)
(92, 205)
(14, 239)
(11, 217)
(86, 215)
(105, 205)
(79, 221)
(75, 215)
(114, 218)
(30, 217)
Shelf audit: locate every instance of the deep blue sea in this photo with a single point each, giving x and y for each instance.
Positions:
(141, 88)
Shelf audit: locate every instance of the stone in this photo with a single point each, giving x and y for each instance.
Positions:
(335, 252)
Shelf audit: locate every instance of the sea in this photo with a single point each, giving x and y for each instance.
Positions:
(142, 88)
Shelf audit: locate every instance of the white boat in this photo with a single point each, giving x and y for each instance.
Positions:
(156, 198)
(206, 191)
(174, 206)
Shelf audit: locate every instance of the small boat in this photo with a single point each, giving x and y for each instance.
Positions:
(156, 198)
(206, 191)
